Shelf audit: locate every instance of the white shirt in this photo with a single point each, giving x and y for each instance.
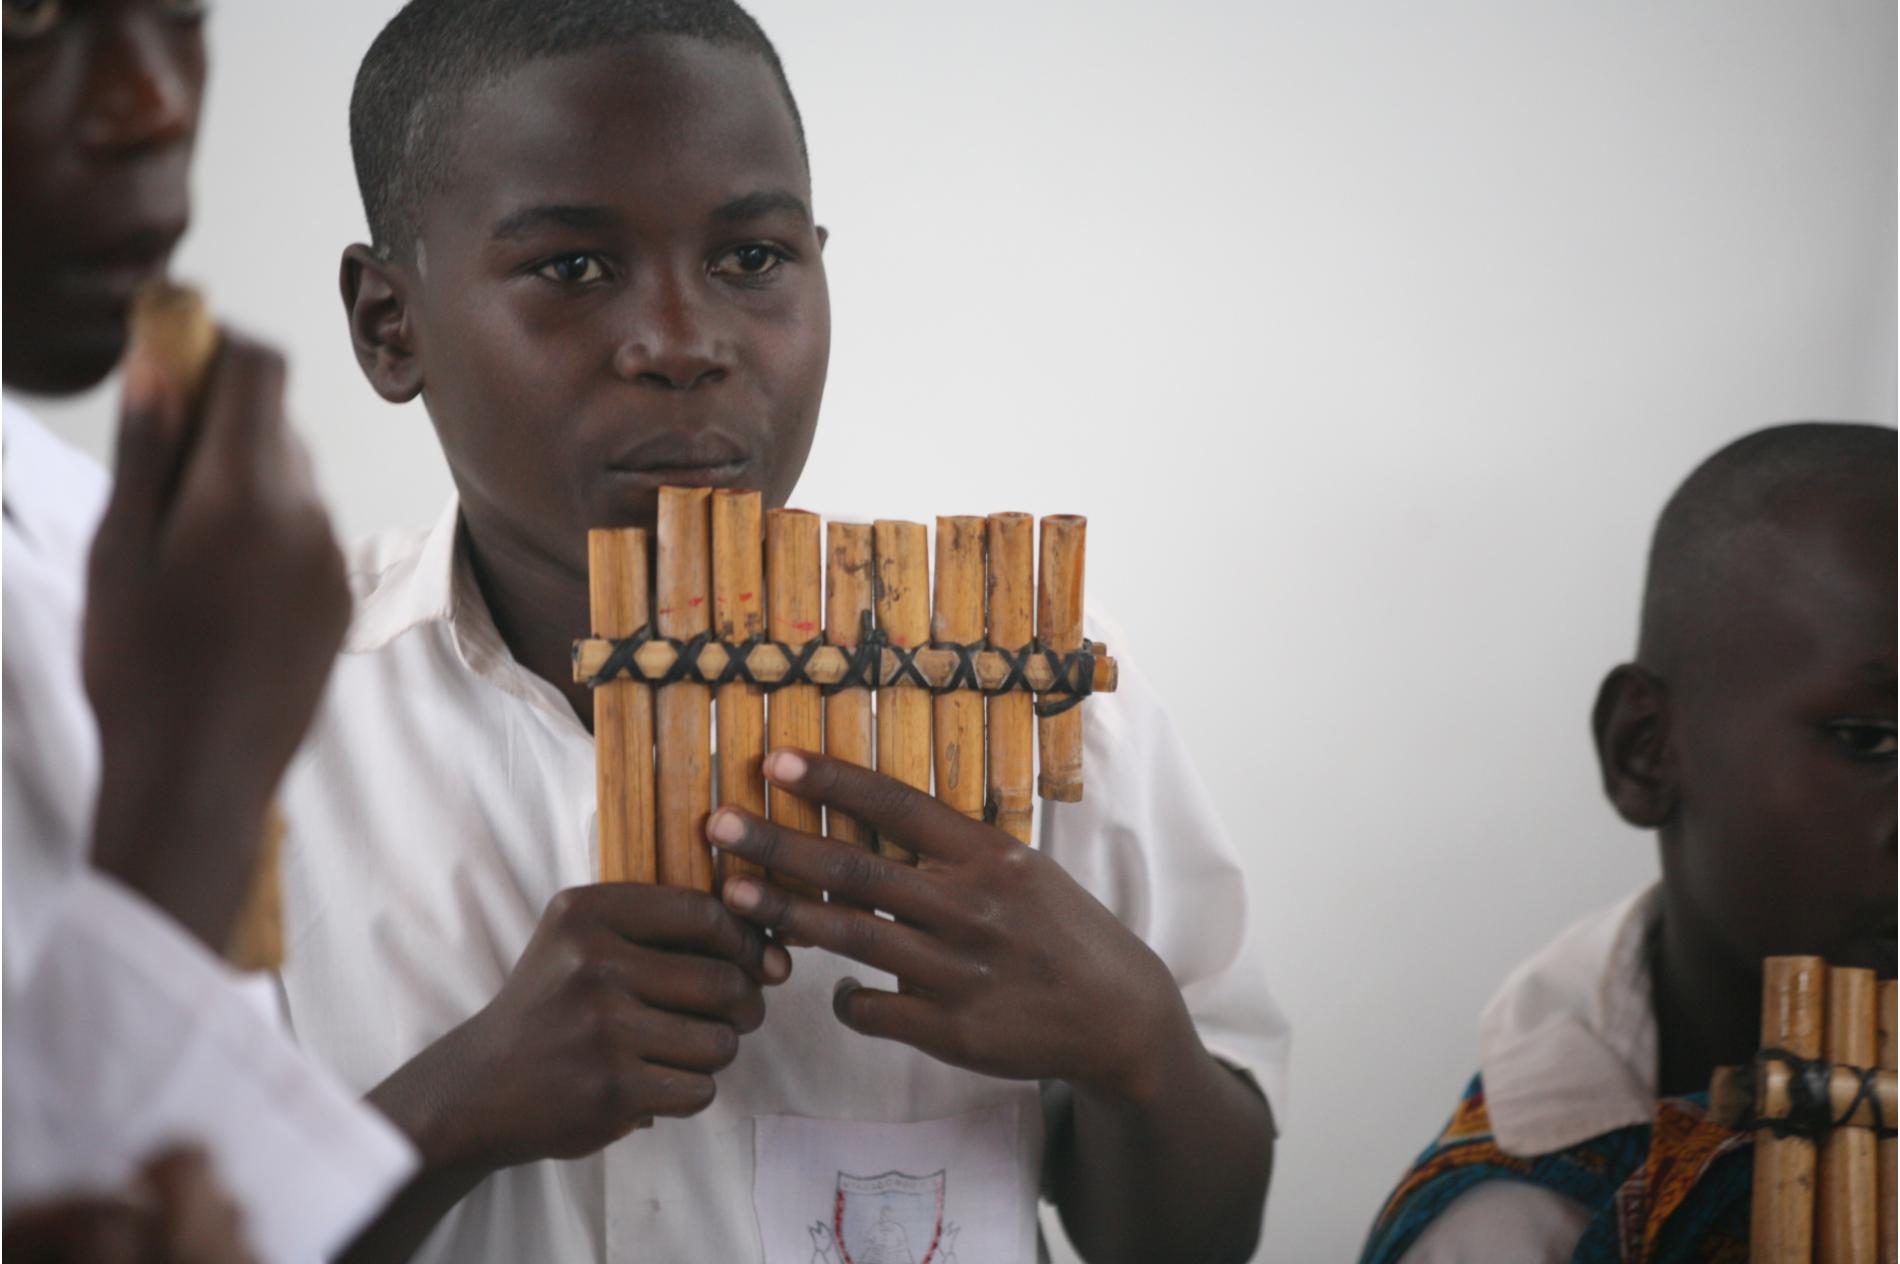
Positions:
(1568, 1052)
(122, 1035)
(447, 794)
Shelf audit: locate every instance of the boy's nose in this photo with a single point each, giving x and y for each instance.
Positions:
(674, 342)
(141, 90)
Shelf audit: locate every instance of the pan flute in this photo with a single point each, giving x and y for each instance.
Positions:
(1819, 1098)
(793, 632)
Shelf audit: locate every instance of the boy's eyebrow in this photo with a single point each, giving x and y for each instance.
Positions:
(764, 202)
(524, 221)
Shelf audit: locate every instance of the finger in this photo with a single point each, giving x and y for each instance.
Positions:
(907, 815)
(683, 1043)
(852, 874)
(908, 953)
(685, 983)
(198, 1221)
(243, 427)
(901, 1016)
(670, 1091)
(150, 444)
(673, 917)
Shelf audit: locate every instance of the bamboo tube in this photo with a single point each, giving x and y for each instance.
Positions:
(848, 583)
(1849, 1199)
(1889, 1206)
(1012, 720)
(1059, 628)
(623, 710)
(171, 326)
(769, 665)
(738, 615)
(684, 708)
(797, 712)
(1782, 1223)
(957, 616)
(902, 602)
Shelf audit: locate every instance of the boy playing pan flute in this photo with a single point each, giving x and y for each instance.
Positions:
(594, 259)
(1755, 734)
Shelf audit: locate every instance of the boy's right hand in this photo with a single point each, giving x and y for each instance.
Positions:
(216, 601)
(626, 1000)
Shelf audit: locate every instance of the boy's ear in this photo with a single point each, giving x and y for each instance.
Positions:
(376, 303)
(1634, 749)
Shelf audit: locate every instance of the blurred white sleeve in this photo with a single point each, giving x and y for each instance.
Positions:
(1502, 1220)
(126, 1037)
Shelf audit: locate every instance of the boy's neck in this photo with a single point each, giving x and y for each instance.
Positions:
(1708, 1008)
(539, 608)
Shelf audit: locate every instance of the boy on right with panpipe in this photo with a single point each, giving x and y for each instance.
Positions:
(1755, 734)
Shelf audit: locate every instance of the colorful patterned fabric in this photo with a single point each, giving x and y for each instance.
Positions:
(1673, 1191)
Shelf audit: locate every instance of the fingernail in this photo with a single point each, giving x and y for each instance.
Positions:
(843, 988)
(725, 827)
(784, 766)
(743, 894)
(777, 964)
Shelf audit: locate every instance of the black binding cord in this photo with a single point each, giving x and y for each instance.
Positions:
(1809, 1114)
(1073, 678)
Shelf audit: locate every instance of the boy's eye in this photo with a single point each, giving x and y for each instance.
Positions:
(575, 269)
(749, 261)
(1868, 739)
(29, 19)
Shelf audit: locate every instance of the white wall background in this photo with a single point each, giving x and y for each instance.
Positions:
(1370, 336)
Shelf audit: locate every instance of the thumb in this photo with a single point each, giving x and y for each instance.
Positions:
(150, 444)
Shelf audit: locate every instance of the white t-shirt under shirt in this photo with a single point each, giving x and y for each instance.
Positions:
(447, 794)
(123, 1035)
(1568, 1052)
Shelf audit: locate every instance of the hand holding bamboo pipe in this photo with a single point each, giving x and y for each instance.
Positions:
(215, 606)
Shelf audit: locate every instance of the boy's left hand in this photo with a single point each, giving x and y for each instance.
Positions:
(1006, 965)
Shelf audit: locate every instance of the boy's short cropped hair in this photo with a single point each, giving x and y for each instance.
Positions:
(1743, 486)
(434, 52)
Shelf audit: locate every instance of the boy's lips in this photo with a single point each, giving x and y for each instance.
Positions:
(683, 459)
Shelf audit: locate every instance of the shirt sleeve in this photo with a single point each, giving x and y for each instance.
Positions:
(1147, 841)
(1502, 1220)
(126, 1038)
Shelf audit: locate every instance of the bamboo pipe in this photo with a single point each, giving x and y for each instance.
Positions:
(1059, 628)
(684, 708)
(769, 664)
(738, 615)
(1781, 1230)
(1012, 716)
(623, 710)
(793, 564)
(1889, 1207)
(957, 617)
(902, 602)
(1849, 1199)
(171, 326)
(848, 584)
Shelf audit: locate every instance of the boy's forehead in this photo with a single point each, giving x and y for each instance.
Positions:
(666, 121)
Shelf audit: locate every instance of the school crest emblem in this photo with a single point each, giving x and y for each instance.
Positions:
(891, 1218)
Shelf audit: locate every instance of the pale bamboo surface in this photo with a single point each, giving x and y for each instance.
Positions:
(1012, 716)
(769, 664)
(1059, 627)
(1849, 1198)
(171, 326)
(623, 710)
(1782, 1220)
(1889, 1195)
(957, 616)
(739, 615)
(684, 709)
(794, 561)
(901, 599)
(848, 582)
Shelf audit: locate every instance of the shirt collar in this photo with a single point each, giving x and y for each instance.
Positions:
(410, 580)
(1568, 1045)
